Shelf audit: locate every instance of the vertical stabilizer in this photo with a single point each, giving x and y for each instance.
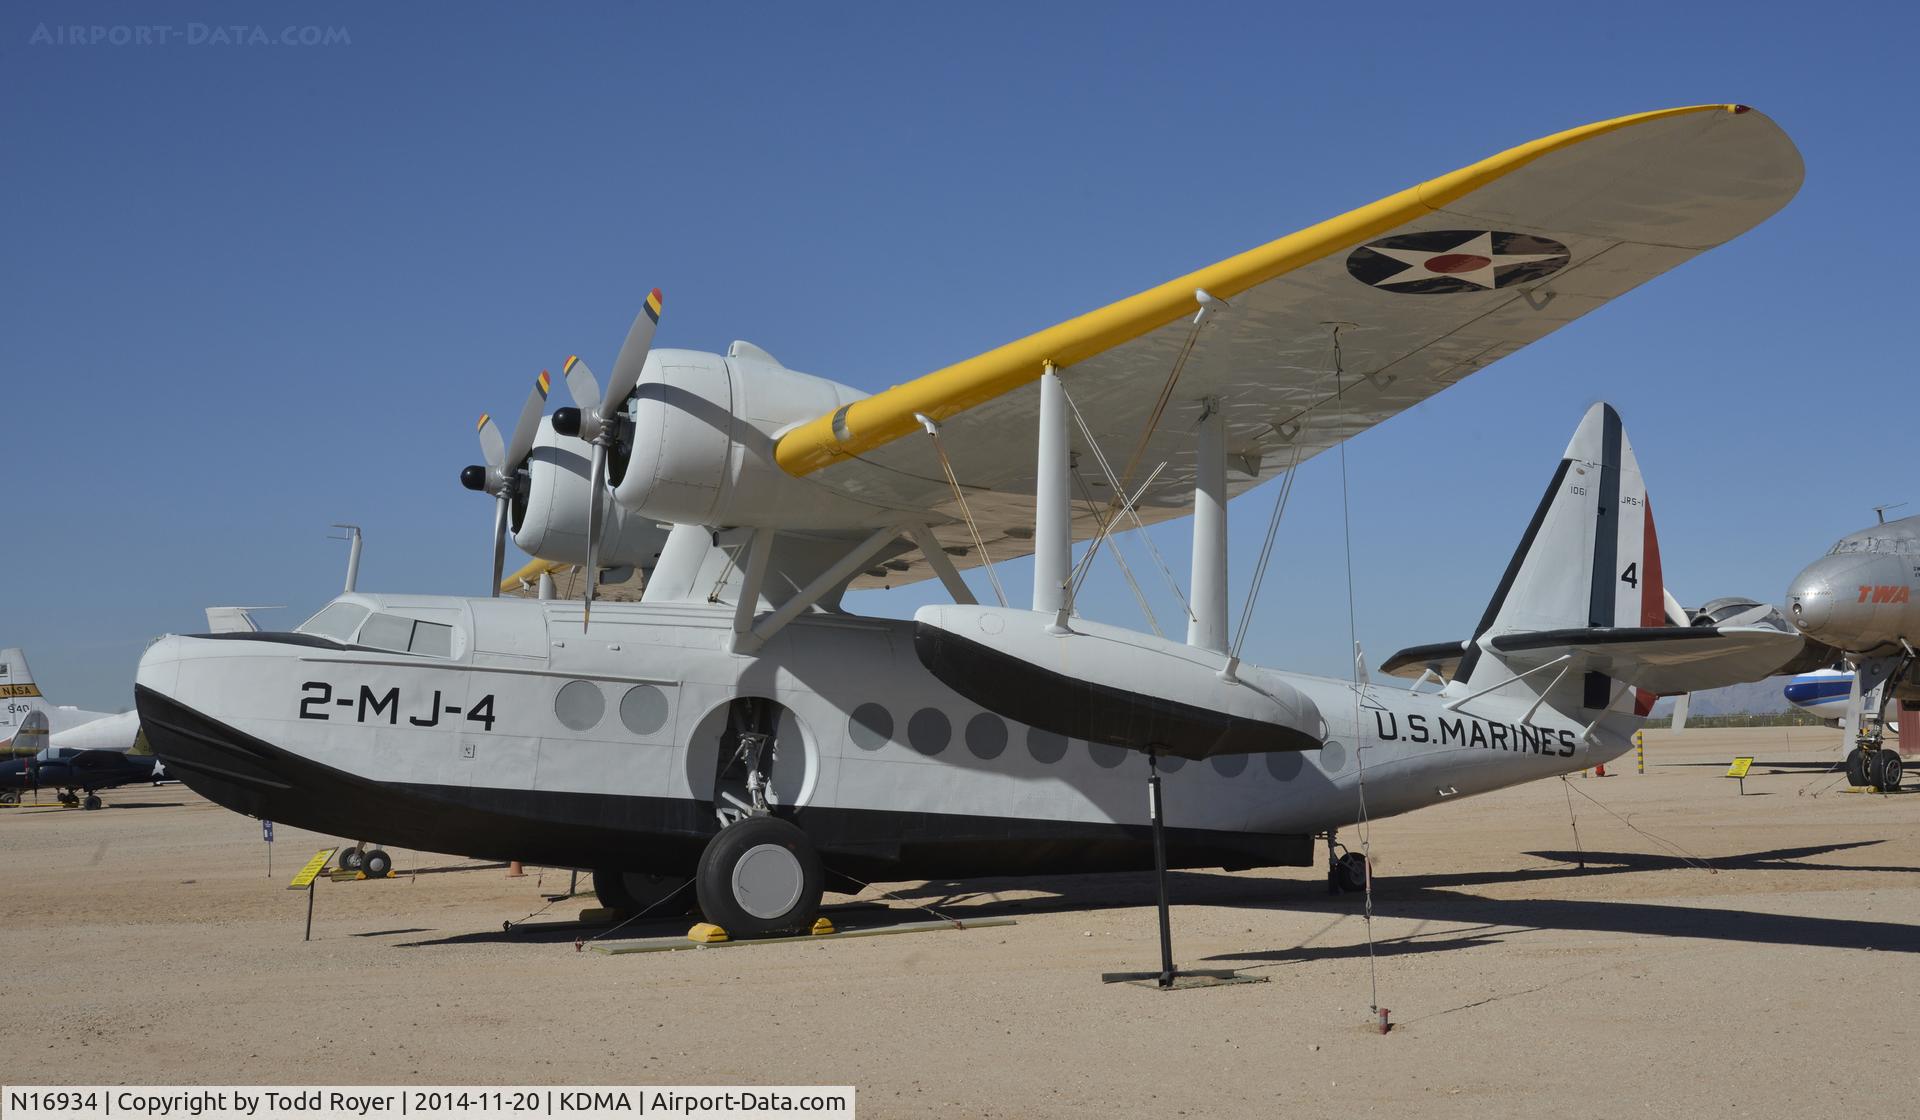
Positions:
(19, 696)
(1589, 559)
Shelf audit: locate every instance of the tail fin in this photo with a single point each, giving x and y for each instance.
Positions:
(1585, 591)
(19, 696)
(1589, 558)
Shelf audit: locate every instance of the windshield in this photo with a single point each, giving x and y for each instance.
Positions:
(335, 620)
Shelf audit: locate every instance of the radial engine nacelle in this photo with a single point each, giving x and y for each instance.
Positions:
(701, 450)
(550, 520)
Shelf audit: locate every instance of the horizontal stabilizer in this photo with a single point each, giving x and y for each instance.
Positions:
(1414, 662)
(1657, 659)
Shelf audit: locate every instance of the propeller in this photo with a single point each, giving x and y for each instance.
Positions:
(502, 476)
(593, 421)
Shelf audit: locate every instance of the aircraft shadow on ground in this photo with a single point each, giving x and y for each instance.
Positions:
(1440, 898)
(1446, 898)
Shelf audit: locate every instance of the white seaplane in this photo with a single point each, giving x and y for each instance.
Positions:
(737, 727)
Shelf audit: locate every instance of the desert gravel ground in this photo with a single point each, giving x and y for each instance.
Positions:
(145, 943)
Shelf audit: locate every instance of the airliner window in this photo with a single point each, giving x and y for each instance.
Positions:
(335, 620)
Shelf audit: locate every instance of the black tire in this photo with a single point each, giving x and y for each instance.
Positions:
(352, 859)
(1887, 770)
(1352, 871)
(9, 797)
(636, 892)
(1857, 768)
(759, 876)
(92, 801)
(377, 864)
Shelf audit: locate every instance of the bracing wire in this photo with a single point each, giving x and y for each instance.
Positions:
(1266, 552)
(1353, 638)
(960, 498)
(1126, 569)
(1127, 506)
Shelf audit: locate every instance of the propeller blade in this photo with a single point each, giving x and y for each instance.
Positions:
(500, 540)
(596, 486)
(632, 359)
(581, 383)
(492, 447)
(521, 445)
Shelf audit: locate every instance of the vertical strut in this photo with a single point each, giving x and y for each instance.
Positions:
(1208, 627)
(1052, 524)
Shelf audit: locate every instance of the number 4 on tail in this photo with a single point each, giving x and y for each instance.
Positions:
(1631, 577)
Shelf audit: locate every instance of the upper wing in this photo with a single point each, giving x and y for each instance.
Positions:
(1421, 288)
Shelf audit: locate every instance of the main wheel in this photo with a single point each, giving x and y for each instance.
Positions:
(377, 864)
(1352, 872)
(9, 797)
(92, 801)
(1857, 768)
(352, 859)
(1887, 770)
(760, 875)
(633, 892)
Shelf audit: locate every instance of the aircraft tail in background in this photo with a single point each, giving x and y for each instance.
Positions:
(1582, 610)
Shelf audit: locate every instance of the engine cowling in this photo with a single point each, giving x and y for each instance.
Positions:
(550, 521)
(702, 439)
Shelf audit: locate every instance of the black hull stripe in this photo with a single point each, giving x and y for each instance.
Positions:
(1080, 709)
(662, 835)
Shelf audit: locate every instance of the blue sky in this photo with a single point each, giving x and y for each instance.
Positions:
(250, 290)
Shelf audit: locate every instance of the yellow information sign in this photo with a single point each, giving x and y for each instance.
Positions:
(1739, 767)
(304, 879)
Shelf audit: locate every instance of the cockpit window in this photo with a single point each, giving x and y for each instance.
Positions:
(335, 620)
(407, 635)
(1891, 546)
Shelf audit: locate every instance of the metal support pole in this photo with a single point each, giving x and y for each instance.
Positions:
(353, 552)
(309, 936)
(1052, 515)
(1160, 867)
(942, 566)
(753, 574)
(1208, 627)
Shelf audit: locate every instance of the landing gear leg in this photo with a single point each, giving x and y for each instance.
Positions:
(1871, 763)
(1346, 870)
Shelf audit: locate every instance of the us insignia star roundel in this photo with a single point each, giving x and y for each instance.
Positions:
(1438, 262)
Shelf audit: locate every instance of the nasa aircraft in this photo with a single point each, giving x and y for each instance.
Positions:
(68, 727)
(736, 726)
(1858, 601)
(74, 772)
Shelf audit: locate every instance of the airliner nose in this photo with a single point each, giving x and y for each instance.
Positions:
(1810, 601)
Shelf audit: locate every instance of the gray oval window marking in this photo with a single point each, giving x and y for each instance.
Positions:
(1170, 762)
(1045, 746)
(579, 705)
(929, 731)
(870, 727)
(1333, 758)
(1284, 765)
(986, 735)
(643, 709)
(1106, 755)
(1230, 765)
